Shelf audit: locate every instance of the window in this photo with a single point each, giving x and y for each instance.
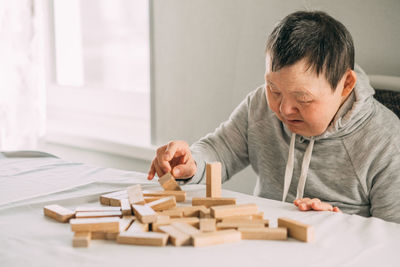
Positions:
(99, 82)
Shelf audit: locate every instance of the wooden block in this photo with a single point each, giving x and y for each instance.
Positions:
(98, 214)
(172, 213)
(240, 220)
(258, 216)
(207, 225)
(180, 196)
(194, 221)
(125, 222)
(186, 228)
(164, 203)
(135, 194)
(213, 201)
(108, 224)
(236, 225)
(81, 239)
(144, 213)
(98, 235)
(126, 207)
(102, 208)
(213, 179)
(205, 213)
(58, 213)
(176, 237)
(297, 230)
(137, 226)
(143, 238)
(221, 212)
(151, 199)
(279, 233)
(168, 182)
(105, 199)
(215, 238)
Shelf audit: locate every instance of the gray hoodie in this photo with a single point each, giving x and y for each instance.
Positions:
(354, 164)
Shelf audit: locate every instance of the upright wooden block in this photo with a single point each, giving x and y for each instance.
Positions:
(163, 203)
(264, 233)
(207, 225)
(58, 213)
(137, 226)
(221, 212)
(81, 239)
(215, 238)
(126, 207)
(176, 237)
(180, 196)
(108, 224)
(213, 179)
(101, 208)
(135, 194)
(144, 213)
(168, 182)
(297, 230)
(98, 214)
(143, 238)
(213, 201)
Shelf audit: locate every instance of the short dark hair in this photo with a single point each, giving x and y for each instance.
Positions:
(314, 35)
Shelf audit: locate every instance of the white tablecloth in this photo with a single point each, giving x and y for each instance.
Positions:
(27, 238)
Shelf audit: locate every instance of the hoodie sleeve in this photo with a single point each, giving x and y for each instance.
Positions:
(227, 144)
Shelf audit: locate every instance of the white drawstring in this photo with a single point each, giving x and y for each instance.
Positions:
(304, 169)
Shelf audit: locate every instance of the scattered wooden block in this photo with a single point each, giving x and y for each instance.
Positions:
(206, 213)
(108, 224)
(180, 196)
(186, 228)
(151, 199)
(172, 213)
(126, 207)
(81, 239)
(164, 203)
(137, 226)
(144, 213)
(102, 208)
(221, 212)
(215, 238)
(106, 198)
(189, 211)
(264, 233)
(207, 225)
(239, 220)
(176, 237)
(168, 182)
(213, 201)
(258, 216)
(125, 222)
(143, 238)
(236, 225)
(98, 236)
(194, 221)
(297, 230)
(58, 213)
(98, 214)
(213, 179)
(135, 194)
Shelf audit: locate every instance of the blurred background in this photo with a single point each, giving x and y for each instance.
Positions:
(105, 82)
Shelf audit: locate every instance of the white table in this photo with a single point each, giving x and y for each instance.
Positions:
(27, 238)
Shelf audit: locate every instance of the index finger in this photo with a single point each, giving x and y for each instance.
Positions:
(174, 147)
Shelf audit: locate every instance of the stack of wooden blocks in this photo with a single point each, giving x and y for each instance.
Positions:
(153, 218)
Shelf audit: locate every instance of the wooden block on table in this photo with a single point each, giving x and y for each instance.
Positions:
(164, 203)
(190, 211)
(213, 179)
(215, 238)
(168, 182)
(137, 226)
(81, 239)
(265, 233)
(297, 230)
(258, 216)
(102, 208)
(235, 225)
(151, 199)
(58, 213)
(221, 212)
(180, 196)
(108, 224)
(126, 207)
(172, 213)
(105, 199)
(186, 228)
(144, 213)
(124, 224)
(194, 221)
(143, 238)
(213, 201)
(245, 220)
(98, 236)
(98, 214)
(135, 194)
(176, 237)
(207, 225)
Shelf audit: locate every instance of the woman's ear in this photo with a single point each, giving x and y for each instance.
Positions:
(350, 80)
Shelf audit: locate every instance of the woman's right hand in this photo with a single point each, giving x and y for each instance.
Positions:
(175, 157)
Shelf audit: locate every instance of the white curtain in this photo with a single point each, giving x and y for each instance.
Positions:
(22, 81)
